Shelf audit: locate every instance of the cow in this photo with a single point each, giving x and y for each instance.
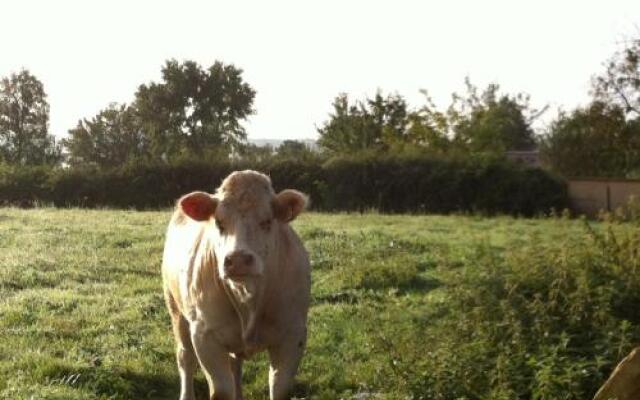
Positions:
(236, 280)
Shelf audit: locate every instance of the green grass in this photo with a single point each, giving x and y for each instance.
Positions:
(422, 307)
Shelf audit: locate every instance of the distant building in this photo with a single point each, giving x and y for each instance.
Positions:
(530, 158)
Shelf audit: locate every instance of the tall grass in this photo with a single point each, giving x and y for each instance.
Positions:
(538, 322)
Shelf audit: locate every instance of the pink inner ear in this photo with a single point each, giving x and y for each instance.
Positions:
(198, 206)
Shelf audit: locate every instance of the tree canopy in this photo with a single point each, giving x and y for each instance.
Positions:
(294, 149)
(593, 141)
(194, 110)
(490, 122)
(363, 125)
(111, 138)
(476, 122)
(620, 82)
(603, 138)
(24, 121)
(191, 112)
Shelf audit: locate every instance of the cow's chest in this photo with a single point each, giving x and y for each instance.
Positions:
(233, 316)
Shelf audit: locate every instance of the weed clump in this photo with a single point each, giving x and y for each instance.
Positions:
(538, 323)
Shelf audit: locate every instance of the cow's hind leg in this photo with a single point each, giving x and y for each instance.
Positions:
(285, 359)
(184, 349)
(215, 362)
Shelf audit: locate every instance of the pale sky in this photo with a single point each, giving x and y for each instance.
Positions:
(298, 55)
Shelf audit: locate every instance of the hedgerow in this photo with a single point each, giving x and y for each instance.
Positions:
(391, 184)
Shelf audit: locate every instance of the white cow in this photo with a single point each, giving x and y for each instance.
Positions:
(236, 279)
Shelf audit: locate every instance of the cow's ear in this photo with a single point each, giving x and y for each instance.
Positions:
(288, 204)
(199, 206)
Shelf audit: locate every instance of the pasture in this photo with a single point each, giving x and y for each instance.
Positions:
(404, 307)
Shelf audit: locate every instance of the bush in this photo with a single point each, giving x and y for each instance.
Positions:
(389, 184)
(425, 184)
(24, 186)
(539, 323)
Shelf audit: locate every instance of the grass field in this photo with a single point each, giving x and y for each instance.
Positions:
(404, 307)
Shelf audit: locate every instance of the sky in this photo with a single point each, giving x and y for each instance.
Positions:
(298, 55)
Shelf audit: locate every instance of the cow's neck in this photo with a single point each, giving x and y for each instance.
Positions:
(246, 297)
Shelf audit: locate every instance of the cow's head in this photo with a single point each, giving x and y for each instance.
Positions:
(245, 216)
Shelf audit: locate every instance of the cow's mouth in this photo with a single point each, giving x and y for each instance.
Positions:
(241, 272)
(237, 276)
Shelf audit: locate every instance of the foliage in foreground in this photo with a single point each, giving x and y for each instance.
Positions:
(534, 323)
(420, 307)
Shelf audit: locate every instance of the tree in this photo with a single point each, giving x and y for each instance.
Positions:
(426, 130)
(194, 111)
(294, 149)
(111, 138)
(488, 122)
(367, 125)
(24, 119)
(620, 82)
(344, 131)
(594, 141)
(603, 138)
(253, 153)
(389, 117)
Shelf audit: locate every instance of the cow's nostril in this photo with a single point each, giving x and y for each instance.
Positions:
(227, 261)
(239, 264)
(238, 259)
(248, 259)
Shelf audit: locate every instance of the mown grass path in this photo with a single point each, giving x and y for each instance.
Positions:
(82, 314)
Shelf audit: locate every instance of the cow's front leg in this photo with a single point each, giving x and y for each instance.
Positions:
(186, 358)
(236, 367)
(185, 355)
(285, 359)
(215, 362)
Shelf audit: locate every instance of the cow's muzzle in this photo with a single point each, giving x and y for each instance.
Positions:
(240, 264)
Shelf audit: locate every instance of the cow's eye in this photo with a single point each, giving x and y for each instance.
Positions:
(266, 224)
(219, 226)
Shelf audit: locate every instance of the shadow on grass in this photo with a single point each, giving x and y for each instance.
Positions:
(301, 390)
(348, 297)
(127, 384)
(123, 383)
(420, 285)
(417, 285)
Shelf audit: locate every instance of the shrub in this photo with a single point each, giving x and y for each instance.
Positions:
(398, 183)
(24, 186)
(78, 187)
(540, 323)
(390, 184)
